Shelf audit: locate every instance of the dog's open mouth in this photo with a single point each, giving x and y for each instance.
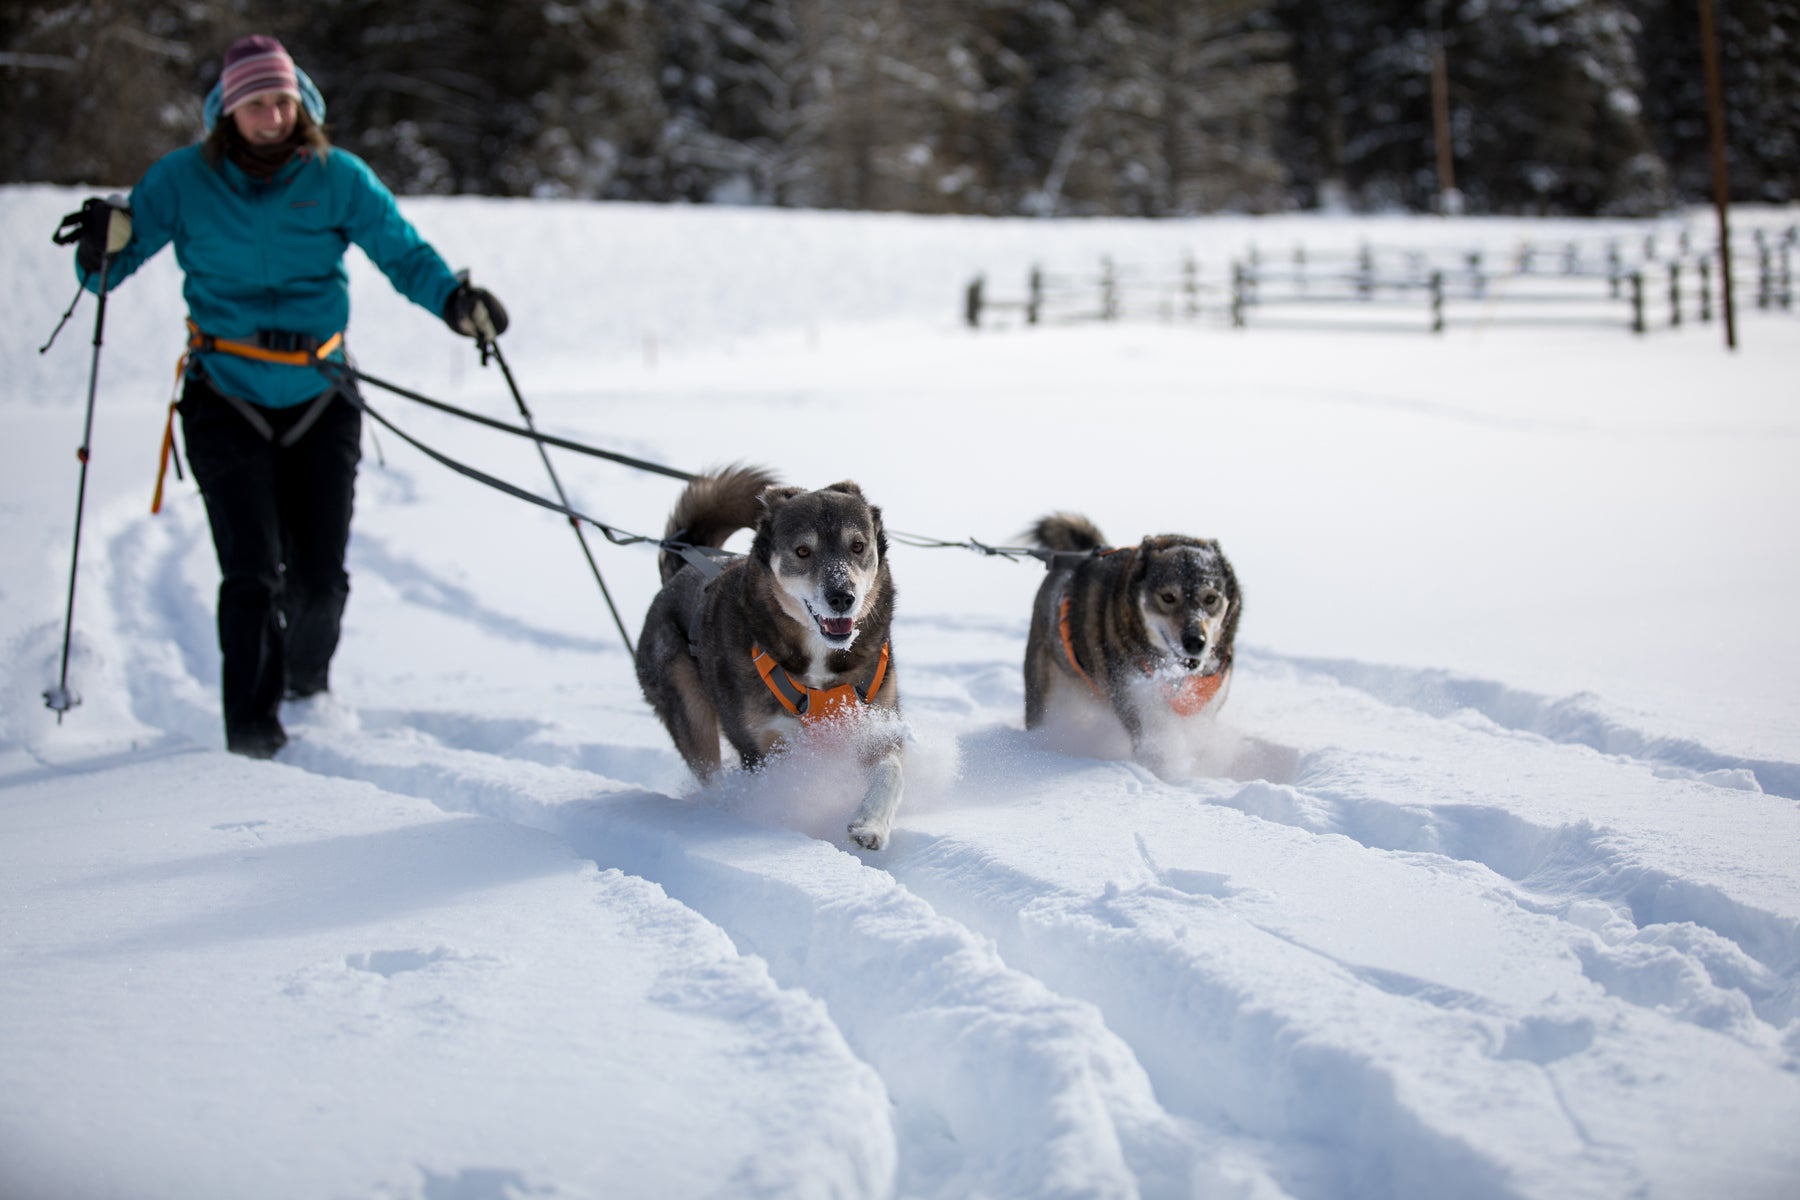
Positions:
(834, 629)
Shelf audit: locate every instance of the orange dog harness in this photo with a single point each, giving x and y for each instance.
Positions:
(1187, 697)
(812, 704)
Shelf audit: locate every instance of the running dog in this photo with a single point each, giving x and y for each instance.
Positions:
(792, 633)
(1143, 631)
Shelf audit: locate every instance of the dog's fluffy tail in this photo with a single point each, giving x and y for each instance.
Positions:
(1066, 532)
(712, 508)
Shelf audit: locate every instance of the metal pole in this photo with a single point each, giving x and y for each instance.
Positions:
(1715, 111)
(562, 496)
(60, 699)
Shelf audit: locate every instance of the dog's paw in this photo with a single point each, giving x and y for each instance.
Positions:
(870, 835)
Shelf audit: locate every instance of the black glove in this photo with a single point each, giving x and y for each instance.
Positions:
(100, 229)
(475, 312)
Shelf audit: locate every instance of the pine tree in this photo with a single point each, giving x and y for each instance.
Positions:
(1759, 51)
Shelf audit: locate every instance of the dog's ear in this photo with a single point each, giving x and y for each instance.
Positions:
(846, 486)
(772, 498)
(762, 545)
(1141, 554)
(881, 545)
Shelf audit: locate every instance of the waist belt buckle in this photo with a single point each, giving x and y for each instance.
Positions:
(285, 341)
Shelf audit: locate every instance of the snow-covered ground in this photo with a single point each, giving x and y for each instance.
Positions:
(1491, 887)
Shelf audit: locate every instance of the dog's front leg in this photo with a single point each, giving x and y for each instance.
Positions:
(1146, 741)
(874, 817)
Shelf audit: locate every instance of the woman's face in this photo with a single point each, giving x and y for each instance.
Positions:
(268, 119)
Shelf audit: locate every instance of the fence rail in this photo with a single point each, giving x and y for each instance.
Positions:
(1656, 282)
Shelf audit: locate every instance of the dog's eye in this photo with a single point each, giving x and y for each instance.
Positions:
(858, 546)
(1170, 599)
(1211, 601)
(802, 551)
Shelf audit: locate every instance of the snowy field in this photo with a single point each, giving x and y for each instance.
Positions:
(1490, 886)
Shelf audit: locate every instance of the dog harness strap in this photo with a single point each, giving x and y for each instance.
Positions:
(1187, 697)
(1194, 693)
(881, 666)
(791, 697)
(812, 704)
(1068, 644)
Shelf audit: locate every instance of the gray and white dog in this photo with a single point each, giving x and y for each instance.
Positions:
(1144, 632)
(794, 632)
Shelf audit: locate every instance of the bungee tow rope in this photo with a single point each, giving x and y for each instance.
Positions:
(345, 375)
(707, 558)
(1050, 558)
(543, 439)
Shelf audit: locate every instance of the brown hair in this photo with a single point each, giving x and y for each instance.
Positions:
(224, 141)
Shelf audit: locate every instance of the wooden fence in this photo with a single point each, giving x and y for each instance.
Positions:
(1652, 283)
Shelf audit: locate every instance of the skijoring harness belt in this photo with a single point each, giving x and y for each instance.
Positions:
(269, 346)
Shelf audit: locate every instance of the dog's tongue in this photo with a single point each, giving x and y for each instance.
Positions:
(837, 627)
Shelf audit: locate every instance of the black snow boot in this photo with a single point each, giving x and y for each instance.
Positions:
(256, 739)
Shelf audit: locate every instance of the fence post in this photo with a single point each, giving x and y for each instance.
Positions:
(1571, 258)
(1109, 290)
(1675, 294)
(972, 303)
(1765, 272)
(1190, 285)
(1786, 293)
(1034, 296)
(1637, 302)
(1365, 271)
(1615, 268)
(1300, 265)
(1237, 294)
(1479, 286)
(1705, 265)
(1437, 302)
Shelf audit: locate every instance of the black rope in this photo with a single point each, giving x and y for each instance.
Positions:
(340, 371)
(706, 559)
(687, 551)
(542, 439)
(1050, 558)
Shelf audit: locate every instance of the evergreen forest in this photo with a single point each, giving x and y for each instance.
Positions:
(1055, 107)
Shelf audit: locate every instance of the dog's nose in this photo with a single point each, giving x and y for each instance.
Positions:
(840, 598)
(1193, 642)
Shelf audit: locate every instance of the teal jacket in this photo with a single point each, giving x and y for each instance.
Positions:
(270, 256)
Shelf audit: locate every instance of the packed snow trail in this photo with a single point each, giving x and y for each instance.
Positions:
(1180, 1008)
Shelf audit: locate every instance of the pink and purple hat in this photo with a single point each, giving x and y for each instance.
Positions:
(255, 66)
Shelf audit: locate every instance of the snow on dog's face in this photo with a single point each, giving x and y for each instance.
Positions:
(825, 550)
(1187, 596)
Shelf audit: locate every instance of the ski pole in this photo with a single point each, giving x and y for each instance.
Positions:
(59, 699)
(492, 346)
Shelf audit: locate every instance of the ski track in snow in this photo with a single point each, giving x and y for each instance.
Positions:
(1165, 1032)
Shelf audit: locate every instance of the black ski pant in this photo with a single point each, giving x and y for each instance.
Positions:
(280, 519)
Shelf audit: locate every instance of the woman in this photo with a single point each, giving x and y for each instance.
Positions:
(261, 213)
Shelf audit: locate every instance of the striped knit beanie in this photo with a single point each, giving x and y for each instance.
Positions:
(254, 66)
